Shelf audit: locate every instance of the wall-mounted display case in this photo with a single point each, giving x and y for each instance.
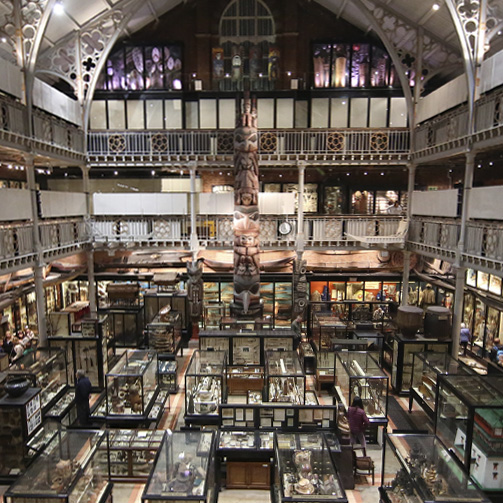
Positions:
(131, 385)
(241, 379)
(68, 471)
(183, 469)
(469, 421)
(426, 367)
(403, 350)
(284, 416)
(418, 468)
(127, 325)
(304, 469)
(358, 374)
(205, 385)
(67, 321)
(132, 453)
(20, 420)
(164, 333)
(246, 348)
(48, 370)
(213, 314)
(284, 377)
(92, 350)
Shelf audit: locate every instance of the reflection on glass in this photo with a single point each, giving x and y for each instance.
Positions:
(360, 65)
(173, 67)
(362, 202)
(334, 200)
(115, 71)
(321, 63)
(154, 68)
(134, 68)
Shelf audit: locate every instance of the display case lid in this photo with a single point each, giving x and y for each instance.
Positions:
(133, 362)
(35, 361)
(181, 466)
(207, 363)
(475, 390)
(443, 363)
(306, 469)
(435, 473)
(285, 363)
(360, 363)
(54, 471)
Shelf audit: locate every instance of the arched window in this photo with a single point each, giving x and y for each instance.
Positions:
(247, 57)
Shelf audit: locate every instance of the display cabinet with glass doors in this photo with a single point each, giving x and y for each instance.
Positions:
(47, 369)
(357, 373)
(20, 420)
(304, 470)
(417, 468)
(68, 471)
(131, 385)
(325, 329)
(131, 453)
(426, 368)
(183, 469)
(403, 349)
(241, 379)
(92, 350)
(164, 333)
(168, 373)
(284, 377)
(213, 314)
(127, 325)
(469, 421)
(155, 300)
(205, 386)
(325, 368)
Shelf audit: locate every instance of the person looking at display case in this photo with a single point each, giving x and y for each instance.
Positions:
(358, 423)
(496, 350)
(8, 344)
(83, 389)
(17, 350)
(297, 328)
(464, 337)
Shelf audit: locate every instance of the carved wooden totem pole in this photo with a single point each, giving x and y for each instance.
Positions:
(246, 216)
(300, 288)
(195, 288)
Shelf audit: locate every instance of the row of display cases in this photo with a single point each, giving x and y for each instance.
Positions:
(246, 348)
(264, 416)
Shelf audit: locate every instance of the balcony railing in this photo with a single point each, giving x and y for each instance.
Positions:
(175, 145)
(50, 135)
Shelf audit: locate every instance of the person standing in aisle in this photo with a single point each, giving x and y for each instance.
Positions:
(83, 389)
(297, 328)
(358, 423)
(464, 337)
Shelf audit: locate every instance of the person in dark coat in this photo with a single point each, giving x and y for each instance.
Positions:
(358, 423)
(83, 389)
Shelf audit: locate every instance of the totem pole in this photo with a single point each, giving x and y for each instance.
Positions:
(300, 288)
(246, 216)
(195, 288)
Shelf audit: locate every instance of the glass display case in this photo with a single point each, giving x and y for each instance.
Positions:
(246, 348)
(304, 469)
(403, 350)
(48, 370)
(92, 350)
(20, 420)
(326, 328)
(241, 379)
(426, 367)
(164, 332)
(357, 373)
(205, 385)
(418, 468)
(213, 314)
(68, 470)
(127, 325)
(469, 421)
(168, 373)
(374, 339)
(183, 469)
(308, 356)
(325, 368)
(284, 377)
(154, 301)
(131, 385)
(132, 453)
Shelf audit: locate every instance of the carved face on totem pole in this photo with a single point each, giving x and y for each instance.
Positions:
(246, 216)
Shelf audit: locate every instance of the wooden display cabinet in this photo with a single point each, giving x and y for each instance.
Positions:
(248, 475)
(240, 380)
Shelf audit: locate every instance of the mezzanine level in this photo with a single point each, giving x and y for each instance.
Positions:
(434, 237)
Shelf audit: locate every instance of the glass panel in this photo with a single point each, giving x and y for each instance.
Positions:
(154, 68)
(334, 200)
(471, 277)
(265, 110)
(154, 114)
(135, 116)
(208, 113)
(116, 116)
(319, 112)
(227, 293)
(379, 68)
(479, 324)
(358, 116)
(339, 112)
(340, 65)
(385, 199)
(391, 291)
(192, 114)
(98, 115)
(301, 114)
(493, 320)
(360, 65)
(227, 113)
(134, 68)
(283, 304)
(116, 72)
(362, 202)
(373, 290)
(378, 112)
(495, 284)
(398, 113)
(267, 294)
(321, 65)
(173, 117)
(284, 112)
(482, 280)
(173, 67)
(354, 290)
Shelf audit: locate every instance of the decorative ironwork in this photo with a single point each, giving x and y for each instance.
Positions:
(246, 215)
(268, 142)
(379, 141)
(225, 142)
(336, 142)
(117, 143)
(159, 142)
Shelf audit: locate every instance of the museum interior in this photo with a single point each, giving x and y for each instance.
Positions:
(238, 234)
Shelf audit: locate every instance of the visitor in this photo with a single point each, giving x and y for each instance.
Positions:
(17, 350)
(496, 350)
(83, 390)
(358, 423)
(297, 328)
(7, 344)
(464, 337)
(394, 209)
